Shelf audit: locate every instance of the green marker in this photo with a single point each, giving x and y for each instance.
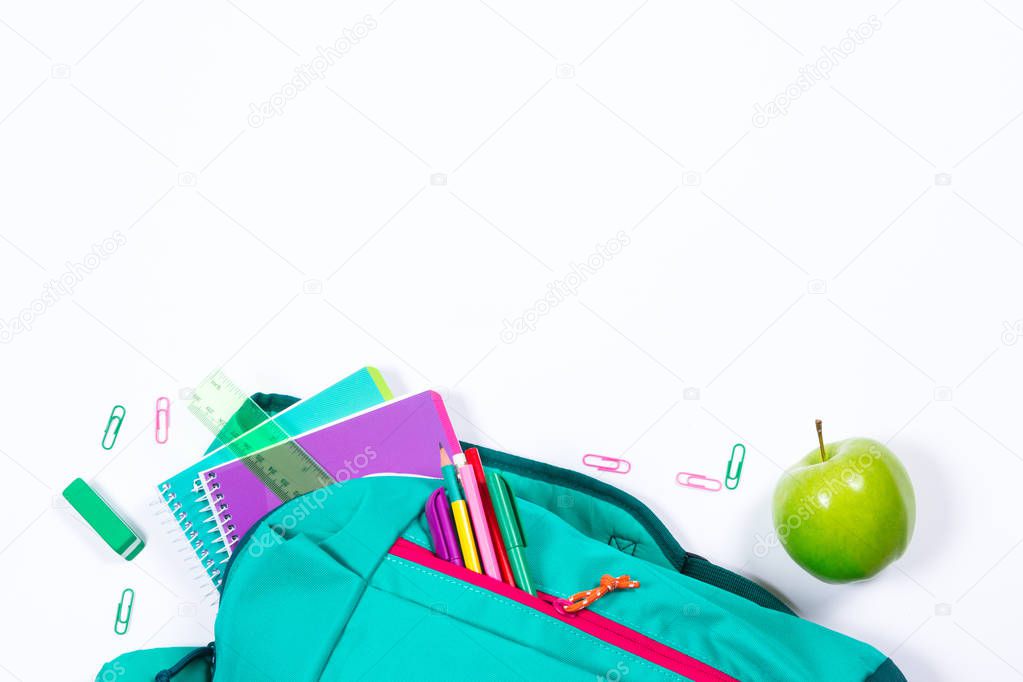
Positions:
(511, 529)
(104, 520)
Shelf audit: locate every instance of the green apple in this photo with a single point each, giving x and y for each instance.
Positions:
(845, 510)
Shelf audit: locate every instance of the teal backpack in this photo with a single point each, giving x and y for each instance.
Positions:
(342, 584)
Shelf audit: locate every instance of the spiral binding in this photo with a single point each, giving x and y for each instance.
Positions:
(191, 532)
(220, 515)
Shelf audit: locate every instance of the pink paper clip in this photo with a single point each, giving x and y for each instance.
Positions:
(611, 464)
(162, 419)
(698, 481)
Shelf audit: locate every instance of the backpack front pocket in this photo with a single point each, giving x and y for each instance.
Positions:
(470, 626)
(296, 598)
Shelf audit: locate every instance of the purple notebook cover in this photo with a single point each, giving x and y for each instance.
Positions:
(404, 435)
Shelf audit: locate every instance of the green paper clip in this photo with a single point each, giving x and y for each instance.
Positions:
(732, 480)
(113, 427)
(124, 611)
(104, 520)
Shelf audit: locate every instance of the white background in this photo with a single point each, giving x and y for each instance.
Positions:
(554, 128)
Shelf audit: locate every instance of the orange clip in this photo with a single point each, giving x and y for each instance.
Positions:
(580, 600)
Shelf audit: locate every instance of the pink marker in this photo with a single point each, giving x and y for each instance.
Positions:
(479, 518)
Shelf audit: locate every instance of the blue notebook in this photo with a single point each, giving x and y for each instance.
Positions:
(183, 493)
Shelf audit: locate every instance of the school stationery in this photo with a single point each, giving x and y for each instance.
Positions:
(698, 481)
(288, 469)
(481, 530)
(228, 412)
(732, 474)
(162, 427)
(511, 529)
(114, 422)
(124, 607)
(352, 591)
(103, 519)
(183, 498)
(183, 493)
(472, 456)
(223, 407)
(442, 528)
(397, 437)
(463, 525)
(610, 464)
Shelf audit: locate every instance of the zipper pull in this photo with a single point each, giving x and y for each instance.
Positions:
(581, 600)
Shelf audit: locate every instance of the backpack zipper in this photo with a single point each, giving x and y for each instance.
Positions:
(592, 623)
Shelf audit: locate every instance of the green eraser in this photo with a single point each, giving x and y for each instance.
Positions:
(104, 520)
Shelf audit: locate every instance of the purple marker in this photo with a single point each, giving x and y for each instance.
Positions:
(442, 528)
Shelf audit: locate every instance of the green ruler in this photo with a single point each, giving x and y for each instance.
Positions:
(224, 408)
(231, 415)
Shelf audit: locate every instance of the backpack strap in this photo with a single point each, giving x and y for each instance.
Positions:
(208, 653)
(630, 525)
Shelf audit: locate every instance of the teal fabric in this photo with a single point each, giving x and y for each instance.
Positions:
(314, 594)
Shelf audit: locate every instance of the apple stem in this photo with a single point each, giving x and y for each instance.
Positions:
(820, 439)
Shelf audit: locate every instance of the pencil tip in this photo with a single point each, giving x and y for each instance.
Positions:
(444, 459)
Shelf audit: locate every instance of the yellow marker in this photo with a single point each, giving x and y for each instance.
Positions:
(463, 526)
(465, 537)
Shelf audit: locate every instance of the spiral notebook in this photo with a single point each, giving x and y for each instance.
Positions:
(183, 493)
(398, 437)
